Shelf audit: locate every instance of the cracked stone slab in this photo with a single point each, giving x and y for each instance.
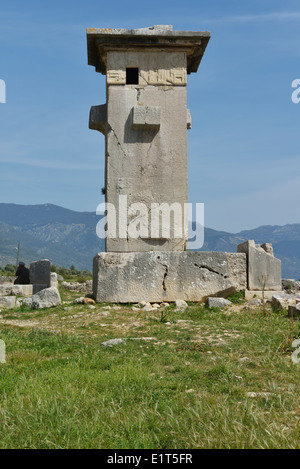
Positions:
(167, 276)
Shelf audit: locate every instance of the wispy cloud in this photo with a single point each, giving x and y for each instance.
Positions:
(13, 154)
(276, 16)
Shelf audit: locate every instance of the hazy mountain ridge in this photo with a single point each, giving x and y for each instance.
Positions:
(67, 237)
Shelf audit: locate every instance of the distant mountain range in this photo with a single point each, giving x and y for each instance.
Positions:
(67, 237)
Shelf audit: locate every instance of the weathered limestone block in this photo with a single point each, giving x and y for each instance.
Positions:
(22, 290)
(7, 302)
(5, 290)
(40, 272)
(213, 302)
(167, 276)
(53, 280)
(262, 295)
(46, 298)
(158, 68)
(180, 305)
(294, 311)
(264, 270)
(146, 116)
(284, 300)
(98, 118)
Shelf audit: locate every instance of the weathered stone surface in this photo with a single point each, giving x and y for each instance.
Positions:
(213, 302)
(113, 342)
(266, 295)
(136, 163)
(267, 247)
(7, 302)
(294, 311)
(290, 284)
(5, 290)
(155, 68)
(53, 280)
(40, 272)
(264, 270)
(146, 116)
(46, 298)
(98, 118)
(85, 287)
(180, 305)
(167, 276)
(284, 300)
(100, 41)
(22, 290)
(254, 302)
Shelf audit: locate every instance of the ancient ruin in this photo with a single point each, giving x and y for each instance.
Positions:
(145, 121)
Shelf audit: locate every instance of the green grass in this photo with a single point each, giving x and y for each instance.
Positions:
(187, 389)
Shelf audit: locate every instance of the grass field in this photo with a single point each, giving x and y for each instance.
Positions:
(194, 379)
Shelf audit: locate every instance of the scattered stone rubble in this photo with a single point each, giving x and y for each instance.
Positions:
(284, 300)
(290, 285)
(86, 287)
(41, 279)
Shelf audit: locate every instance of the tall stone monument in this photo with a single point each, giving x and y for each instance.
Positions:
(145, 122)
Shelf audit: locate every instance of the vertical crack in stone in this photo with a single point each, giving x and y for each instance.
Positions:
(118, 141)
(165, 276)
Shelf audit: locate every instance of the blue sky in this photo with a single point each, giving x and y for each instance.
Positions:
(243, 149)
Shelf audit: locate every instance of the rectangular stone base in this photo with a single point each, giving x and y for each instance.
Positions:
(167, 276)
(249, 295)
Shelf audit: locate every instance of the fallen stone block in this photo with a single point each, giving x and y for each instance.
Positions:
(158, 277)
(294, 311)
(217, 303)
(46, 298)
(180, 305)
(22, 290)
(7, 302)
(284, 300)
